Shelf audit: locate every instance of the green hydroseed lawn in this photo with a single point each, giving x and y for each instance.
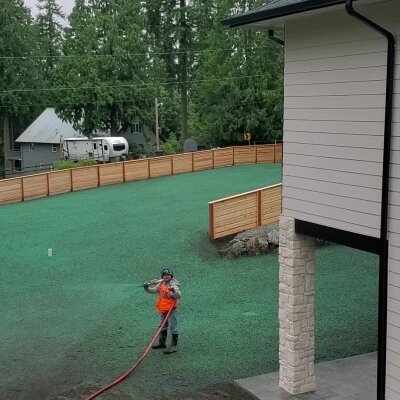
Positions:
(75, 321)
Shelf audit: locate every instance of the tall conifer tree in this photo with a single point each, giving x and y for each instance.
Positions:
(49, 23)
(106, 67)
(19, 70)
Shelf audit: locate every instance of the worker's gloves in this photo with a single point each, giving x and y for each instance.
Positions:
(146, 286)
(172, 293)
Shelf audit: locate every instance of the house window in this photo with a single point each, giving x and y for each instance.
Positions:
(54, 148)
(136, 128)
(31, 146)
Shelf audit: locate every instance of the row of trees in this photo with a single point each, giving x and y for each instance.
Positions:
(104, 66)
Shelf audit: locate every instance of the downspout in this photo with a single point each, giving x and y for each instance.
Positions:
(383, 258)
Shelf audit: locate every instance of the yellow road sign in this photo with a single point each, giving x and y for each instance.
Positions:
(247, 136)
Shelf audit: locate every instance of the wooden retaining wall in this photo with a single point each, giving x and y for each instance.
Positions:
(245, 211)
(50, 183)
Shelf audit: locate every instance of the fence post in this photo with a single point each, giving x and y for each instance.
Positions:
(172, 165)
(22, 190)
(123, 172)
(212, 158)
(48, 184)
(192, 162)
(233, 158)
(259, 208)
(98, 176)
(148, 168)
(256, 148)
(274, 153)
(71, 179)
(211, 219)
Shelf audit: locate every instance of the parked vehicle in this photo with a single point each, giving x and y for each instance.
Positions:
(102, 149)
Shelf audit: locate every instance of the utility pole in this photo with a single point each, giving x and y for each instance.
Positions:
(183, 69)
(157, 128)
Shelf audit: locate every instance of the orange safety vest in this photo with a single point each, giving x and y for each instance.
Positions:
(164, 304)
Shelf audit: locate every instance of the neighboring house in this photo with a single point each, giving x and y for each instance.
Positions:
(40, 143)
(139, 134)
(341, 164)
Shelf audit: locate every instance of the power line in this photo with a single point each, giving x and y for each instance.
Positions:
(122, 101)
(128, 86)
(130, 54)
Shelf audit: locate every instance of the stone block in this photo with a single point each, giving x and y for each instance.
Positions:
(309, 283)
(296, 300)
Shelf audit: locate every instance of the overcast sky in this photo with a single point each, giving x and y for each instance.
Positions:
(65, 4)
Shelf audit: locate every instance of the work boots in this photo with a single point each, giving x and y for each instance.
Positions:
(162, 339)
(174, 345)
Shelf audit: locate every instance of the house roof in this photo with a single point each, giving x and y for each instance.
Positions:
(48, 128)
(278, 9)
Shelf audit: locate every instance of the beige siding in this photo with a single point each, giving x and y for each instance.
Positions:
(334, 118)
(393, 352)
(335, 77)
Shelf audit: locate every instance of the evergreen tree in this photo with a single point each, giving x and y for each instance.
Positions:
(19, 71)
(171, 23)
(106, 67)
(50, 32)
(239, 80)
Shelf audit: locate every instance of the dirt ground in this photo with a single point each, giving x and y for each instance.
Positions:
(227, 391)
(223, 391)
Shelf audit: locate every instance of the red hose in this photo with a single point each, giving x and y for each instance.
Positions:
(134, 366)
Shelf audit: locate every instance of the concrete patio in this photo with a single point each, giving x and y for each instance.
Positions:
(352, 378)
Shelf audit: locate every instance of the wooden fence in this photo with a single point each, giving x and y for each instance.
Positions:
(245, 211)
(69, 180)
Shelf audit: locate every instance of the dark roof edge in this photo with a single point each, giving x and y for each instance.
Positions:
(278, 12)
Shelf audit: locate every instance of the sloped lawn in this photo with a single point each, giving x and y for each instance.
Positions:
(75, 321)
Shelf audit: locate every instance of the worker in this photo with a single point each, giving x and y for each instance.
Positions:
(168, 290)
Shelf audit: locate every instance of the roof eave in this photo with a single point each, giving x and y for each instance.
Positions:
(264, 15)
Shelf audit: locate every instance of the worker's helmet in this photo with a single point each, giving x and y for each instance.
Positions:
(166, 271)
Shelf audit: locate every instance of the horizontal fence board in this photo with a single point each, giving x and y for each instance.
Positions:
(271, 218)
(234, 203)
(278, 153)
(35, 186)
(136, 170)
(183, 163)
(85, 178)
(202, 160)
(238, 226)
(59, 182)
(111, 173)
(271, 205)
(266, 154)
(245, 211)
(244, 216)
(46, 184)
(10, 190)
(244, 155)
(160, 166)
(223, 157)
(221, 220)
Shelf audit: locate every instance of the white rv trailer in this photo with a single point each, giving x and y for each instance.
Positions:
(99, 148)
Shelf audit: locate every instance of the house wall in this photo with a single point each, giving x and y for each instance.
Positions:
(145, 139)
(41, 155)
(335, 76)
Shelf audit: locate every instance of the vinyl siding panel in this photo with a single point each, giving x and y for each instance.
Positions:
(335, 83)
(333, 122)
(393, 353)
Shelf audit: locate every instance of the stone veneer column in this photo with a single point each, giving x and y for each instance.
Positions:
(296, 309)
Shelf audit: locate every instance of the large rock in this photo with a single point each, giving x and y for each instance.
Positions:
(252, 242)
